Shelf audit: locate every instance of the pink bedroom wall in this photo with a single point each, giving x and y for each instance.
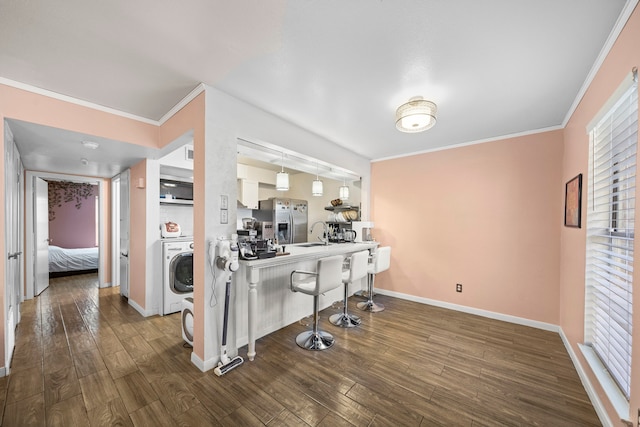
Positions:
(485, 216)
(74, 227)
(624, 55)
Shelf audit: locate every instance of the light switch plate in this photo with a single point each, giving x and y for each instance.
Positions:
(224, 201)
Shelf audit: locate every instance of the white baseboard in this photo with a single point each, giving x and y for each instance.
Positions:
(588, 386)
(472, 310)
(203, 365)
(142, 311)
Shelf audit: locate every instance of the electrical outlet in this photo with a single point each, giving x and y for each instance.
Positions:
(458, 287)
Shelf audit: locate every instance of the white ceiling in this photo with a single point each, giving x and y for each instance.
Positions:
(336, 68)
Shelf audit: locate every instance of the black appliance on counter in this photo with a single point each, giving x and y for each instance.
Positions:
(255, 249)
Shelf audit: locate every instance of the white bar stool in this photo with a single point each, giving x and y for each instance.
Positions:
(358, 263)
(381, 262)
(328, 275)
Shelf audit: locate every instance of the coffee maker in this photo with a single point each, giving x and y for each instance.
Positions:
(363, 230)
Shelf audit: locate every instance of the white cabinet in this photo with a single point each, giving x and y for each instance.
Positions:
(248, 193)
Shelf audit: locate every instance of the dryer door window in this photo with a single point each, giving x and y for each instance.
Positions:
(182, 273)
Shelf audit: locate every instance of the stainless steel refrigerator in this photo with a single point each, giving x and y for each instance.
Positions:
(289, 217)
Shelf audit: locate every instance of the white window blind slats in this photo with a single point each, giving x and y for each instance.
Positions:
(618, 277)
(620, 269)
(610, 235)
(616, 259)
(611, 298)
(610, 253)
(617, 144)
(617, 131)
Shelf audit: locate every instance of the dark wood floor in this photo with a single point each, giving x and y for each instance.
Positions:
(84, 357)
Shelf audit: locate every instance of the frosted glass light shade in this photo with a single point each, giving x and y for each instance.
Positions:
(282, 181)
(316, 188)
(416, 115)
(344, 192)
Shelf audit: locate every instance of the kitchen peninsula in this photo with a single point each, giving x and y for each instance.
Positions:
(264, 300)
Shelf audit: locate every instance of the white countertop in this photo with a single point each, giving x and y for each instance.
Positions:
(300, 251)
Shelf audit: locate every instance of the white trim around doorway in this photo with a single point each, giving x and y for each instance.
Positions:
(29, 225)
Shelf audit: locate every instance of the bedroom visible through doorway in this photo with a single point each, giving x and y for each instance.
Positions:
(73, 227)
(68, 238)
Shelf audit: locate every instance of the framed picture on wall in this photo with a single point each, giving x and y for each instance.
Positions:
(573, 202)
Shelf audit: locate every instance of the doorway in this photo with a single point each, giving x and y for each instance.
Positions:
(32, 256)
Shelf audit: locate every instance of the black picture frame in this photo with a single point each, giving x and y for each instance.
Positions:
(573, 202)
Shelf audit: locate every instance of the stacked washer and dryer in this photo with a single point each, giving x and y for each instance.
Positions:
(177, 286)
(177, 259)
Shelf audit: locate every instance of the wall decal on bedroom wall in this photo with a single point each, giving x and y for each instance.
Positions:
(67, 191)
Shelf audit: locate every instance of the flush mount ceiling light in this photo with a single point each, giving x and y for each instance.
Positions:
(282, 178)
(316, 187)
(416, 115)
(90, 144)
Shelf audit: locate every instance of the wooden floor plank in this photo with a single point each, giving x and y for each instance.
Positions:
(84, 356)
(69, 412)
(61, 385)
(135, 391)
(111, 413)
(25, 412)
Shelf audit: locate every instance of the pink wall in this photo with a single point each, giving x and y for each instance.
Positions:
(191, 117)
(619, 62)
(73, 227)
(486, 216)
(138, 236)
(490, 216)
(30, 107)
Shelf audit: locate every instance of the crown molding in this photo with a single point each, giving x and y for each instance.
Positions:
(76, 101)
(613, 36)
(65, 98)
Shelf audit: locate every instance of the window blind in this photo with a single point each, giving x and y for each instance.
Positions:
(610, 233)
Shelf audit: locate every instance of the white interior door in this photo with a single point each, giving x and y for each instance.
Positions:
(13, 211)
(115, 230)
(124, 233)
(41, 234)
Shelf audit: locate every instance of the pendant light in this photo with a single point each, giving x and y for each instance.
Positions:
(316, 187)
(282, 178)
(344, 190)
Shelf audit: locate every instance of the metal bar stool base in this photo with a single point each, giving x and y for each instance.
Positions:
(362, 294)
(370, 306)
(345, 320)
(315, 341)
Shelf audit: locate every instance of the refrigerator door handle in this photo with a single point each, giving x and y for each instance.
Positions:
(292, 228)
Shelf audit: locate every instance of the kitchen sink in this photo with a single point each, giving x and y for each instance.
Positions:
(311, 244)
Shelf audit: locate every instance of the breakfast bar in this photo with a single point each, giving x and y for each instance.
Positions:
(263, 295)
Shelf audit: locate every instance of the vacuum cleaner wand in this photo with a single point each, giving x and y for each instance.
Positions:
(227, 261)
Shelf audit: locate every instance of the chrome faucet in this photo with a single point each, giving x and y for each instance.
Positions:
(325, 238)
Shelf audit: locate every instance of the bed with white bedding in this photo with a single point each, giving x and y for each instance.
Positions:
(62, 260)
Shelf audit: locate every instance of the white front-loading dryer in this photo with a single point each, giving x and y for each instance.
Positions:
(177, 259)
(187, 320)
